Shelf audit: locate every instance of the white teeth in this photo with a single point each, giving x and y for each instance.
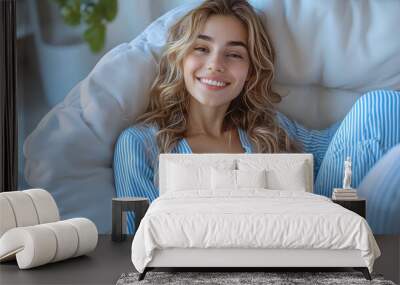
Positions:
(212, 82)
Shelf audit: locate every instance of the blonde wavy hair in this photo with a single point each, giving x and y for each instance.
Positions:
(252, 110)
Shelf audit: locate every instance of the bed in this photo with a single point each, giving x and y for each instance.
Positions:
(247, 210)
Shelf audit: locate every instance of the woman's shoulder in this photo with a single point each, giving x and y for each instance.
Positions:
(136, 147)
(140, 130)
(139, 133)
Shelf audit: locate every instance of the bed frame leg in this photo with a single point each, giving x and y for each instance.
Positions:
(364, 271)
(143, 274)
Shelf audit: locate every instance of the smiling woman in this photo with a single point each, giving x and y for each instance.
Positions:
(219, 42)
(212, 94)
(215, 71)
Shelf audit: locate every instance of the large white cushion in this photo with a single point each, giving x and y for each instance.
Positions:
(325, 51)
(30, 230)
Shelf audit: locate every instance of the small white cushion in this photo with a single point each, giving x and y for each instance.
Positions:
(236, 179)
(223, 179)
(293, 178)
(251, 178)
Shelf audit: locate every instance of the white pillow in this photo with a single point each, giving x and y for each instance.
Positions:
(81, 131)
(183, 177)
(251, 178)
(180, 172)
(281, 174)
(292, 178)
(237, 179)
(223, 179)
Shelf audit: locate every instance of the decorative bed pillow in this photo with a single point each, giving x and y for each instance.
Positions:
(223, 179)
(251, 178)
(180, 172)
(182, 177)
(293, 178)
(237, 179)
(281, 174)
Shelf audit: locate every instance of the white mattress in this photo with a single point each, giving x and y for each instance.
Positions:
(253, 218)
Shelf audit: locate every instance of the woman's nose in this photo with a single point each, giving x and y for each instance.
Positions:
(216, 64)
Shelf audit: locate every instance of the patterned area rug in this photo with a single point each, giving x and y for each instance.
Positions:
(230, 278)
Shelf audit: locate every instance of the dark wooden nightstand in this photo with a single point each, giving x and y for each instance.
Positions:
(138, 205)
(358, 206)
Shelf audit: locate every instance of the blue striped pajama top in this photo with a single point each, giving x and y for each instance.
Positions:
(136, 151)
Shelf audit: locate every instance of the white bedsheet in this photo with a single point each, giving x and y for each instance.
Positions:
(250, 218)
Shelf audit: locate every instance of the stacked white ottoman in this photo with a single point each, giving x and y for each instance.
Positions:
(31, 230)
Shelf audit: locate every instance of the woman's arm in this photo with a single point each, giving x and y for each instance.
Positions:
(313, 141)
(133, 173)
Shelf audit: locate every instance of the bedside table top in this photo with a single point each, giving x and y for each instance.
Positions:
(349, 200)
(104, 265)
(129, 199)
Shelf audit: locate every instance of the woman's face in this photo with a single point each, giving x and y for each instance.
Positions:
(216, 66)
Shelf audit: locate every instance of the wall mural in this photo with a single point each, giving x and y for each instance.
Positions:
(103, 95)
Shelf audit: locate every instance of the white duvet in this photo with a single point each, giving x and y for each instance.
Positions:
(251, 218)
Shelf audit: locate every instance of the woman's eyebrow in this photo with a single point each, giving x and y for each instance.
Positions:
(231, 43)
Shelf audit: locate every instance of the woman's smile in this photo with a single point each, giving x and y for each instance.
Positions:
(211, 84)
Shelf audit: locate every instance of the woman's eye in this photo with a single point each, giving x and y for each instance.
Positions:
(235, 55)
(200, 49)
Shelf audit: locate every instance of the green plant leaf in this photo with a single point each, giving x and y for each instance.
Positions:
(70, 11)
(109, 9)
(60, 2)
(95, 36)
(94, 13)
(90, 13)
